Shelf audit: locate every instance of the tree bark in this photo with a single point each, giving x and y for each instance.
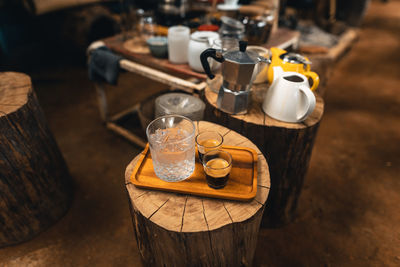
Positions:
(35, 185)
(182, 230)
(286, 146)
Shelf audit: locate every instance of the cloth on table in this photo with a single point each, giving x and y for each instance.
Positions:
(104, 65)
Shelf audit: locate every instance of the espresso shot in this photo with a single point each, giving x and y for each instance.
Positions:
(217, 167)
(207, 141)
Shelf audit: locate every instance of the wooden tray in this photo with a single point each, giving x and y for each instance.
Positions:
(242, 183)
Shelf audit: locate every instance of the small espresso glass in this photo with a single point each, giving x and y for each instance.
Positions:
(217, 166)
(208, 140)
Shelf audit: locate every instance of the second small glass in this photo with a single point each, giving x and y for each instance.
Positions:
(209, 140)
(217, 165)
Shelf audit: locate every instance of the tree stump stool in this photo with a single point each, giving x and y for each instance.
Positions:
(286, 146)
(184, 230)
(34, 179)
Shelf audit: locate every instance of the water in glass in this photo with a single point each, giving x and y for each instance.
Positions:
(173, 153)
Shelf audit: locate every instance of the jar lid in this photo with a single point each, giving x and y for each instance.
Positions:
(204, 36)
(178, 31)
(242, 56)
(181, 104)
(232, 23)
(294, 58)
(208, 27)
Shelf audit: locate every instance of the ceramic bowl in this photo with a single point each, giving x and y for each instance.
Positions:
(158, 46)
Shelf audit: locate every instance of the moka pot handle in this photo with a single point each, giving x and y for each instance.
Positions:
(215, 54)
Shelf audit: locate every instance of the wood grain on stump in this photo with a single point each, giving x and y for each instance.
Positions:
(183, 230)
(286, 146)
(34, 180)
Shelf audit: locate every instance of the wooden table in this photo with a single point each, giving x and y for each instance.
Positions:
(130, 48)
(183, 230)
(177, 76)
(287, 147)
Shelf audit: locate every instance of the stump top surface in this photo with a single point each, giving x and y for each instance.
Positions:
(14, 89)
(187, 213)
(257, 116)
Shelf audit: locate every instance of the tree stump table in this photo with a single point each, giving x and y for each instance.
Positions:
(184, 230)
(34, 180)
(286, 146)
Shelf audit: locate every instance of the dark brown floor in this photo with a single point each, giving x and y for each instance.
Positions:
(349, 212)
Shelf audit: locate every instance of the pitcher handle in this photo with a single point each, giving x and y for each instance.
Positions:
(310, 102)
(313, 76)
(210, 52)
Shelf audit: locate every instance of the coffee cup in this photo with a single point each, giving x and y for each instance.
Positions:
(289, 98)
(217, 166)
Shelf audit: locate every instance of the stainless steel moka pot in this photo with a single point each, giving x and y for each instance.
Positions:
(239, 68)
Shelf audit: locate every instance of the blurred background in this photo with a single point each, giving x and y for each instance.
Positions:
(348, 211)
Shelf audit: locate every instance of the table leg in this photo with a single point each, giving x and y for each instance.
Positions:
(102, 100)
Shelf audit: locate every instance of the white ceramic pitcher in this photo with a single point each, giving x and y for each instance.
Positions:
(200, 41)
(289, 97)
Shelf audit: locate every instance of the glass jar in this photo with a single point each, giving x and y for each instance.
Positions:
(146, 25)
(231, 28)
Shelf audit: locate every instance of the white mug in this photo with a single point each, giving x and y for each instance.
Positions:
(289, 98)
(178, 42)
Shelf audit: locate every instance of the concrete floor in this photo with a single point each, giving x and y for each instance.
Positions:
(348, 211)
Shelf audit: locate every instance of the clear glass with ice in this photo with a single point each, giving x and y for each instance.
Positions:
(172, 147)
